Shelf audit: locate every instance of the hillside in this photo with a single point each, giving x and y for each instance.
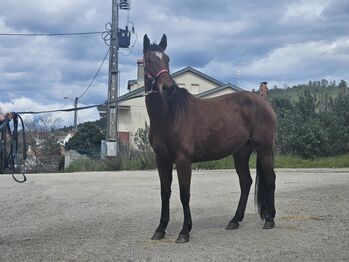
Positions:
(320, 89)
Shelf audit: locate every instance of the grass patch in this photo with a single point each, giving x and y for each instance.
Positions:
(225, 163)
(83, 165)
(145, 162)
(323, 162)
(281, 161)
(148, 162)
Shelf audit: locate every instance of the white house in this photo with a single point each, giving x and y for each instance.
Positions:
(133, 114)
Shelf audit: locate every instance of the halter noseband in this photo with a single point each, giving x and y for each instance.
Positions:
(154, 79)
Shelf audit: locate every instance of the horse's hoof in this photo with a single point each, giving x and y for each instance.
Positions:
(183, 238)
(269, 225)
(158, 235)
(232, 225)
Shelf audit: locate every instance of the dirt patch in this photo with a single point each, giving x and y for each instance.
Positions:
(300, 218)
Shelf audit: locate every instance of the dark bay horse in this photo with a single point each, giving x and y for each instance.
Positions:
(185, 129)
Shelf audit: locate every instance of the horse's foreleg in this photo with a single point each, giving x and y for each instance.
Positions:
(165, 174)
(183, 166)
(241, 159)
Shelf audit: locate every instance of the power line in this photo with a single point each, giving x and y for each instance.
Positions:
(78, 108)
(96, 74)
(52, 34)
(57, 110)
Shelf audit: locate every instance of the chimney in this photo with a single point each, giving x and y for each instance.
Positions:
(263, 89)
(140, 70)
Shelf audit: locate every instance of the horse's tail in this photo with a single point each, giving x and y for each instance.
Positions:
(260, 196)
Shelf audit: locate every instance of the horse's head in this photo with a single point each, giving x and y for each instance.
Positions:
(156, 68)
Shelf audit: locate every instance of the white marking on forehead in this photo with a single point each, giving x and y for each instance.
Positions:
(158, 54)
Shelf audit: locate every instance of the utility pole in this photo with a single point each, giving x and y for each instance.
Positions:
(75, 101)
(76, 114)
(109, 147)
(112, 107)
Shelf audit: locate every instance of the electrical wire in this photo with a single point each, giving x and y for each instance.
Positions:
(106, 35)
(96, 74)
(52, 34)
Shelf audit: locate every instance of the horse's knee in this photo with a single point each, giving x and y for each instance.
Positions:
(248, 181)
(165, 195)
(185, 196)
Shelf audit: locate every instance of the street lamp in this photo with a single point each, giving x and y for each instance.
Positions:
(75, 101)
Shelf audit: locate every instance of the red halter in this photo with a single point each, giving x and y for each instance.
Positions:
(154, 79)
(160, 72)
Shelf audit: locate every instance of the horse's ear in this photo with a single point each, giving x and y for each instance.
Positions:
(163, 42)
(146, 43)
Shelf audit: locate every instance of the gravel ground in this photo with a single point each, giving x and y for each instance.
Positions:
(110, 216)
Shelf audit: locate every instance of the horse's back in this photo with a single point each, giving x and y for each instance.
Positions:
(247, 103)
(219, 126)
(247, 115)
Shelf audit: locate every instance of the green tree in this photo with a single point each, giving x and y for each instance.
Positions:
(343, 84)
(283, 108)
(87, 140)
(310, 127)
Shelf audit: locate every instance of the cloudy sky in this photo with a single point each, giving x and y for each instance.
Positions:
(282, 42)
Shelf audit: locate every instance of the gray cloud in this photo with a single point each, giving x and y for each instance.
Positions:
(277, 41)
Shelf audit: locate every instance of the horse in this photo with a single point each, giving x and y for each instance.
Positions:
(185, 129)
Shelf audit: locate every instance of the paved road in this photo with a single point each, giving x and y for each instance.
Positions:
(111, 217)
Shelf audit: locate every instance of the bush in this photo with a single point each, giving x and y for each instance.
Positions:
(88, 137)
(312, 128)
(138, 157)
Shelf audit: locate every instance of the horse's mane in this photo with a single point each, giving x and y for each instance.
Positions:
(180, 100)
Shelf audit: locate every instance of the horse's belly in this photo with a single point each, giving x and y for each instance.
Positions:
(216, 149)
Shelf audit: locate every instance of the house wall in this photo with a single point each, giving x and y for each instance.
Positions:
(194, 83)
(130, 120)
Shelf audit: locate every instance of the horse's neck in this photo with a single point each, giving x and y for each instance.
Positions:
(157, 108)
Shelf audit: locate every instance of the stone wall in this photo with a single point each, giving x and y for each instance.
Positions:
(71, 156)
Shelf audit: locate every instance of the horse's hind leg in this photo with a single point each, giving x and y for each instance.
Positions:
(165, 173)
(241, 159)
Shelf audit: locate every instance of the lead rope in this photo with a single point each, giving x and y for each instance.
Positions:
(8, 161)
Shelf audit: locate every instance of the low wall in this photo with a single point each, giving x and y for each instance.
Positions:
(71, 156)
